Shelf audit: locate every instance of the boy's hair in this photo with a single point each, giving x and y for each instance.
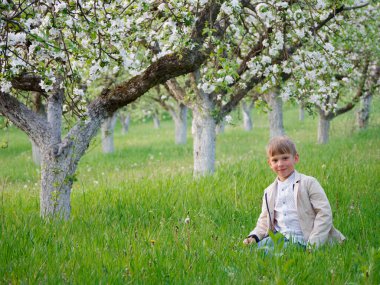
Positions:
(281, 145)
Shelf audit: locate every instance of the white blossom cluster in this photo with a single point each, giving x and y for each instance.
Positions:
(86, 40)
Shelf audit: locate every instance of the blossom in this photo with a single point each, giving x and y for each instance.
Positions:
(161, 7)
(46, 87)
(207, 88)
(78, 92)
(329, 47)
(5, 86)
(234, 3)
(16, 38)
(320, 4)
(229, 79)
(265, 59)
(228, 119)
(59, 6)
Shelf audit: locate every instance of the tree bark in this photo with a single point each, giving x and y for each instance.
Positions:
(247, 117)
(276, 125)
(180, 124)
(204, 137)
(125, 122)
(36, 154)
(39, 108)
(204, 133)
(362, 116)
(156, 121)
(178, 112)
(107, 129)
(324, 127)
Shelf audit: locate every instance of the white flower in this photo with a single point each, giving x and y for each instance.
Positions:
(229, 79)
(78, 92)
(16, 38)
(161, 7)
(226, 9)
(265, 59)
(329, 47)
(115, 69)
(320, 4)
(234, 3)
(228, 119)
(187, 220)
(5, 86)
(45, 87)
(60, 6)
(282, 4)
(300, 33)
(69, 22)
(207, 88)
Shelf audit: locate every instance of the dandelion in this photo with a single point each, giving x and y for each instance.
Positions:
(187, 220)
(152, 242)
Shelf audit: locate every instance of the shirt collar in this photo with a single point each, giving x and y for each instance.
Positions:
(288, 181)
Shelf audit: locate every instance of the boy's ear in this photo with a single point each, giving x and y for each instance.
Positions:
(296, 158)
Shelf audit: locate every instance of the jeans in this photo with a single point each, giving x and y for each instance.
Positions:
(268, 244)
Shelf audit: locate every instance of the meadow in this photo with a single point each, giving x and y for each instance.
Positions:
(139, 217)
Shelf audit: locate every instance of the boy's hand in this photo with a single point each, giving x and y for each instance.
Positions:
(249, 240)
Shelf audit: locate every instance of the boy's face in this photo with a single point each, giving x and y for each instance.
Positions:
(283, 164)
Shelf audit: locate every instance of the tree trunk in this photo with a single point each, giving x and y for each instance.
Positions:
(247, 117)
(323, 127)
(276, 126)
(156, 121)
(203, 130)
(204, 136)
(125, 122)
(39, 108)
(108, 127)
(36, 154)
(56, 182)
(180, 125)
(362, 116)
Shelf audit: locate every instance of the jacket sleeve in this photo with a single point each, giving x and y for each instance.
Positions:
(261, 228)
(323, 219)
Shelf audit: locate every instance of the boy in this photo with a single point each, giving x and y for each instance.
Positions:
(294, 205)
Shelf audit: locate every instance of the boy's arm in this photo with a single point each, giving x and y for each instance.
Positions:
(323, 219)
(261, 228)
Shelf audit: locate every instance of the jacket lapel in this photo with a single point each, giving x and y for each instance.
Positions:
(296, 186)
(272, 201)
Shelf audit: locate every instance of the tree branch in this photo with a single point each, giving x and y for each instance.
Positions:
(359, 93)
(27, 82)
(33, 124)
(165, 68)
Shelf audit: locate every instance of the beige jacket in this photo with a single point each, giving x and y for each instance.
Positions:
(313, 208)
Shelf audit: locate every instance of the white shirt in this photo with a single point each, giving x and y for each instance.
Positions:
(285, 213)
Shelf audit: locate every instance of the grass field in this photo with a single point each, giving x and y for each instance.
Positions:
(129, 210)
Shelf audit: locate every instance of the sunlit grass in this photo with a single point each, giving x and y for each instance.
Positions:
(129, 210)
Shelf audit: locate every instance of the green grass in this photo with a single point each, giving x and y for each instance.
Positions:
(128, 210)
